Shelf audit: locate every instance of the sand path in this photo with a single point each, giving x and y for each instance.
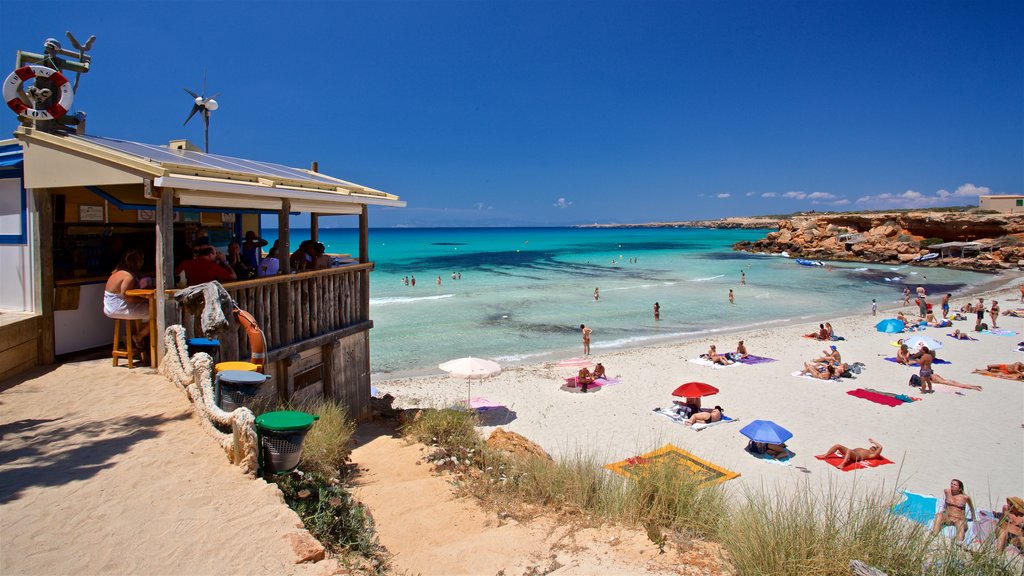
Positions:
(428, 530)
(106, 471)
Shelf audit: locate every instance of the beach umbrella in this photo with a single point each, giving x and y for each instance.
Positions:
(695, 390)
(890, 326)
(470, 368)
(918, 341)
(766, 431)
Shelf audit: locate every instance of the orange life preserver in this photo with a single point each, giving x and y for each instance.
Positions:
(257, 341)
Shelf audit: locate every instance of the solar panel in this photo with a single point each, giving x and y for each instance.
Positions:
(200, 160)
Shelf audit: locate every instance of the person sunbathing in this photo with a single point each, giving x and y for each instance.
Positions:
(776, 451)
(940, 380)
(821, 334)
(852, 455)
(599, 371)
(954, 510)
(830, 334)
(584, 379)
(821, 372)
(715, 415)
(960, 335)
(741, 351)
(903, 355)
(1011, 524)
(717, 358)
(831, 356)
(902, 318)
(1015, 370)
(1019, 313)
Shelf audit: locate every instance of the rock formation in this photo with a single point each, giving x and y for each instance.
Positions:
(899, 237)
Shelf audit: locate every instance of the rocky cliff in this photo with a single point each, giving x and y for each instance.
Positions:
(899, 237)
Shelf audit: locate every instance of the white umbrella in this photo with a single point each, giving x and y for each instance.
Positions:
(470, 368)
(918, 341)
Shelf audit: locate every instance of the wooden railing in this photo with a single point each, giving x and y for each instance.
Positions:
(297, 309)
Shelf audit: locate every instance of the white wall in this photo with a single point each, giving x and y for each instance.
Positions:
(86, 327)
(18, 279)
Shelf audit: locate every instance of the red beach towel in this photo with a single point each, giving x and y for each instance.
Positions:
(835, 460)
(876, 397)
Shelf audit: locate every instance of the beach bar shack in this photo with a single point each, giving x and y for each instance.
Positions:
(71, 202)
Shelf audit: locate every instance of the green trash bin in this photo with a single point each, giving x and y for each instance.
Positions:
(280, 437)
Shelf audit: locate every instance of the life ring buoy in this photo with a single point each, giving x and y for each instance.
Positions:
(25, 73)
(257, 340)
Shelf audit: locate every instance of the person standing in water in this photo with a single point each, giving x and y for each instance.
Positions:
(657, 311)
(731, 297)
(743, 277)
(597, 294)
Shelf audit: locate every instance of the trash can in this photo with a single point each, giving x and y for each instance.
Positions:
(237, 388)
(208, 345)
(280, 437)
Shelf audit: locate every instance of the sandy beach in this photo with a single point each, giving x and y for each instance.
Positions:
(976, 436)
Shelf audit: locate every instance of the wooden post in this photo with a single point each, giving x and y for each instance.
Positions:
(166, 311)
(43, 237)
(364, 257)
(314, 227)
(284, 295)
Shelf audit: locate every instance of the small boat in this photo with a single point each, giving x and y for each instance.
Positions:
(928, 256)
(804, 262)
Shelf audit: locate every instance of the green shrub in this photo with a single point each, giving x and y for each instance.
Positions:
(932, 240)
(448, 428)
(333, 517)
(904, 238)
(328, 444)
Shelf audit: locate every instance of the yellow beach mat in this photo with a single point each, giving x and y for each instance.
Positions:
(676, 456)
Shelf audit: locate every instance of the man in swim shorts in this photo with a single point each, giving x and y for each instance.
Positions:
(926, 370)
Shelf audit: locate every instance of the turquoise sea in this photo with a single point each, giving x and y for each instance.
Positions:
(525, 291)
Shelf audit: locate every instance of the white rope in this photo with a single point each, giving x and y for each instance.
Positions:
(195, 377)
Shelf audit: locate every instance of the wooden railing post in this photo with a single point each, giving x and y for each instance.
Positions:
(364, 258)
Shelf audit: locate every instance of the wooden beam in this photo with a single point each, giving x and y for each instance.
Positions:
(321, 340)
(166, 312)
(42, 231)
(284, 293)
(284, 249)
(314, 227)
(364, 257)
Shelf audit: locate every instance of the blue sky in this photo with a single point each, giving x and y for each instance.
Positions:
(551, 113)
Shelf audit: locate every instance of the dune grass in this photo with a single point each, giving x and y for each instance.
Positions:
(810, 531)
(329, 442)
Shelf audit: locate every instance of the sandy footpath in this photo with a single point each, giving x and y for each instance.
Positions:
(106, 471)
(975, 436)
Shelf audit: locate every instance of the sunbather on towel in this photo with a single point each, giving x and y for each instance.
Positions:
(1015, 313)
(715, 415)
(821, 334)
(717, 358)
(831, 356)
(822, 371)
(598, 371)
(903, 356)
(776, 451)
(741, 351)
(954, 510)
(940, 380)
(960, 335)
(851, 455)
(1013, 371)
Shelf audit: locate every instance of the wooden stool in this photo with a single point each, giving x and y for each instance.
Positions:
(129, 349)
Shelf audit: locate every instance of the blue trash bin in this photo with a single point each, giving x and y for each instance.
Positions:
(208, 345)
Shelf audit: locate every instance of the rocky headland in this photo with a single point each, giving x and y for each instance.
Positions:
(888, 237)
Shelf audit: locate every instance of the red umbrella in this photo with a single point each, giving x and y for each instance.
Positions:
(695, 390)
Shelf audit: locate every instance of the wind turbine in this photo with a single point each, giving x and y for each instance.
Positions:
(206, 105)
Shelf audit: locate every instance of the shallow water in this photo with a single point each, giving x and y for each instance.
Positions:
(525, 291)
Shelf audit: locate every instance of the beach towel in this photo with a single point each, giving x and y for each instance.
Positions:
(876, 397)
(787, 461)
(913, 363)
(571, 382)
(999, 332)
(922, 508)
(968, 339)
(574, 363)
(709, 474)
(481, 404)
(751, 360)
(607, 381)
(706, 362)
(805, 376)
(997, 375)
(835, 460)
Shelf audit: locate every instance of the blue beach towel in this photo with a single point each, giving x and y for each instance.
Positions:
(999, 332)
(920, 508)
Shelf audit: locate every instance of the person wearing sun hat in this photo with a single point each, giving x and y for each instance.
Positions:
(1011, 525)
(831, 356)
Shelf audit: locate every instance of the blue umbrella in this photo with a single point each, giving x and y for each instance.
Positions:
(890, 326)
(766, 431)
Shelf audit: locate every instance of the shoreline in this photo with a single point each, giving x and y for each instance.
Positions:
(1000, 281)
